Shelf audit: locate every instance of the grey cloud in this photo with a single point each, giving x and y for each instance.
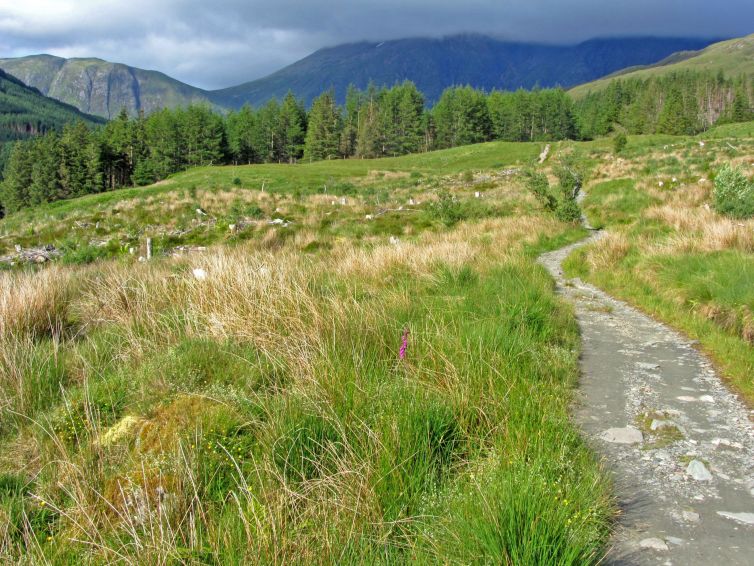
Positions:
(231, 41)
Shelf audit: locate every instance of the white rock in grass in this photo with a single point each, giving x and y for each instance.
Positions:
(660, 184)
(394, 241)
(200, 274)
(698, 471)
(658, 424)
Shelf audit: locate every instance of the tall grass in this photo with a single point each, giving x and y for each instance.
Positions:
(261, 414)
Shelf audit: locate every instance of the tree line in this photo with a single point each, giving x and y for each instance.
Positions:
(376, 122)
(25, 113)
(677, 103)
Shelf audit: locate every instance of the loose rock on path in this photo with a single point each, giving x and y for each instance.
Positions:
(679, 444)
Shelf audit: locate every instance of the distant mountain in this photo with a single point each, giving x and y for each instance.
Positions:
(733, 57)
(103, 88)
(100, 87)
(434, 64)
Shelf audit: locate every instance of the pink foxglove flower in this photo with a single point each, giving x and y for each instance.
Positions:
(404, 345)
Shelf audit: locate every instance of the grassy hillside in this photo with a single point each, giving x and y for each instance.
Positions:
(117, 220)
(101, 87)
(669, 252)
(435, 64)
(733, 57)
(342, 362)
(385, 379)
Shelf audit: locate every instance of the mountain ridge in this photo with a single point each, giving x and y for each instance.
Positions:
(436, 63)
(101, 87)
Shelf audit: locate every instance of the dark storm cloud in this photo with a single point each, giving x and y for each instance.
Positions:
(215, 44)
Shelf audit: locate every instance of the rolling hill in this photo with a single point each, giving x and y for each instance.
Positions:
(100, 87)
(732, 57)
(434, 64)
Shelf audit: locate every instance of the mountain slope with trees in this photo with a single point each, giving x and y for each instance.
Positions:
(25, 112)
(733, 57)
(435, 64)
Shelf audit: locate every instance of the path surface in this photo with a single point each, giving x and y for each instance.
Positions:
(686, 489)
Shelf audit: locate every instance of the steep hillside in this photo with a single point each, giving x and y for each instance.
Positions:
(100, 87)
(25, 112)
(434, 64)
(733, 57)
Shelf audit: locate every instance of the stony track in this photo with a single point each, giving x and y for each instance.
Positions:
(679, 444)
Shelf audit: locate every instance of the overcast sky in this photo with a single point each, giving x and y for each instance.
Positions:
(218, 43)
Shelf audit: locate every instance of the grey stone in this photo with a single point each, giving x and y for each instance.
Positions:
(745, 518)
(660, 424)
(690, 516)
(654, 543)
(697, 470)
(625, 435)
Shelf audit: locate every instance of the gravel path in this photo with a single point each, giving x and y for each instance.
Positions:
(686, 488)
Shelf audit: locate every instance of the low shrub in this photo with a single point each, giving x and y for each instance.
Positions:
(734, 193)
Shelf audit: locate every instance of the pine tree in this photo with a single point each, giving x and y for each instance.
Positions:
(240, 131)
(323, 132)
(45, 170)
(118, 151)
(79, 162)
(352, 112)
(14, 193)
(291, 129)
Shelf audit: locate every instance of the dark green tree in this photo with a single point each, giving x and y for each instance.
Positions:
(324, 128)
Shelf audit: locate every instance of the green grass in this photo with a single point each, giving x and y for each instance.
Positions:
(263, 414)
(615, 202)
(464, 450)
(742, 130)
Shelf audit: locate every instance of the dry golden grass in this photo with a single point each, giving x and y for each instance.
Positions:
(34, 304)
(608, 250)
(701, 229)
